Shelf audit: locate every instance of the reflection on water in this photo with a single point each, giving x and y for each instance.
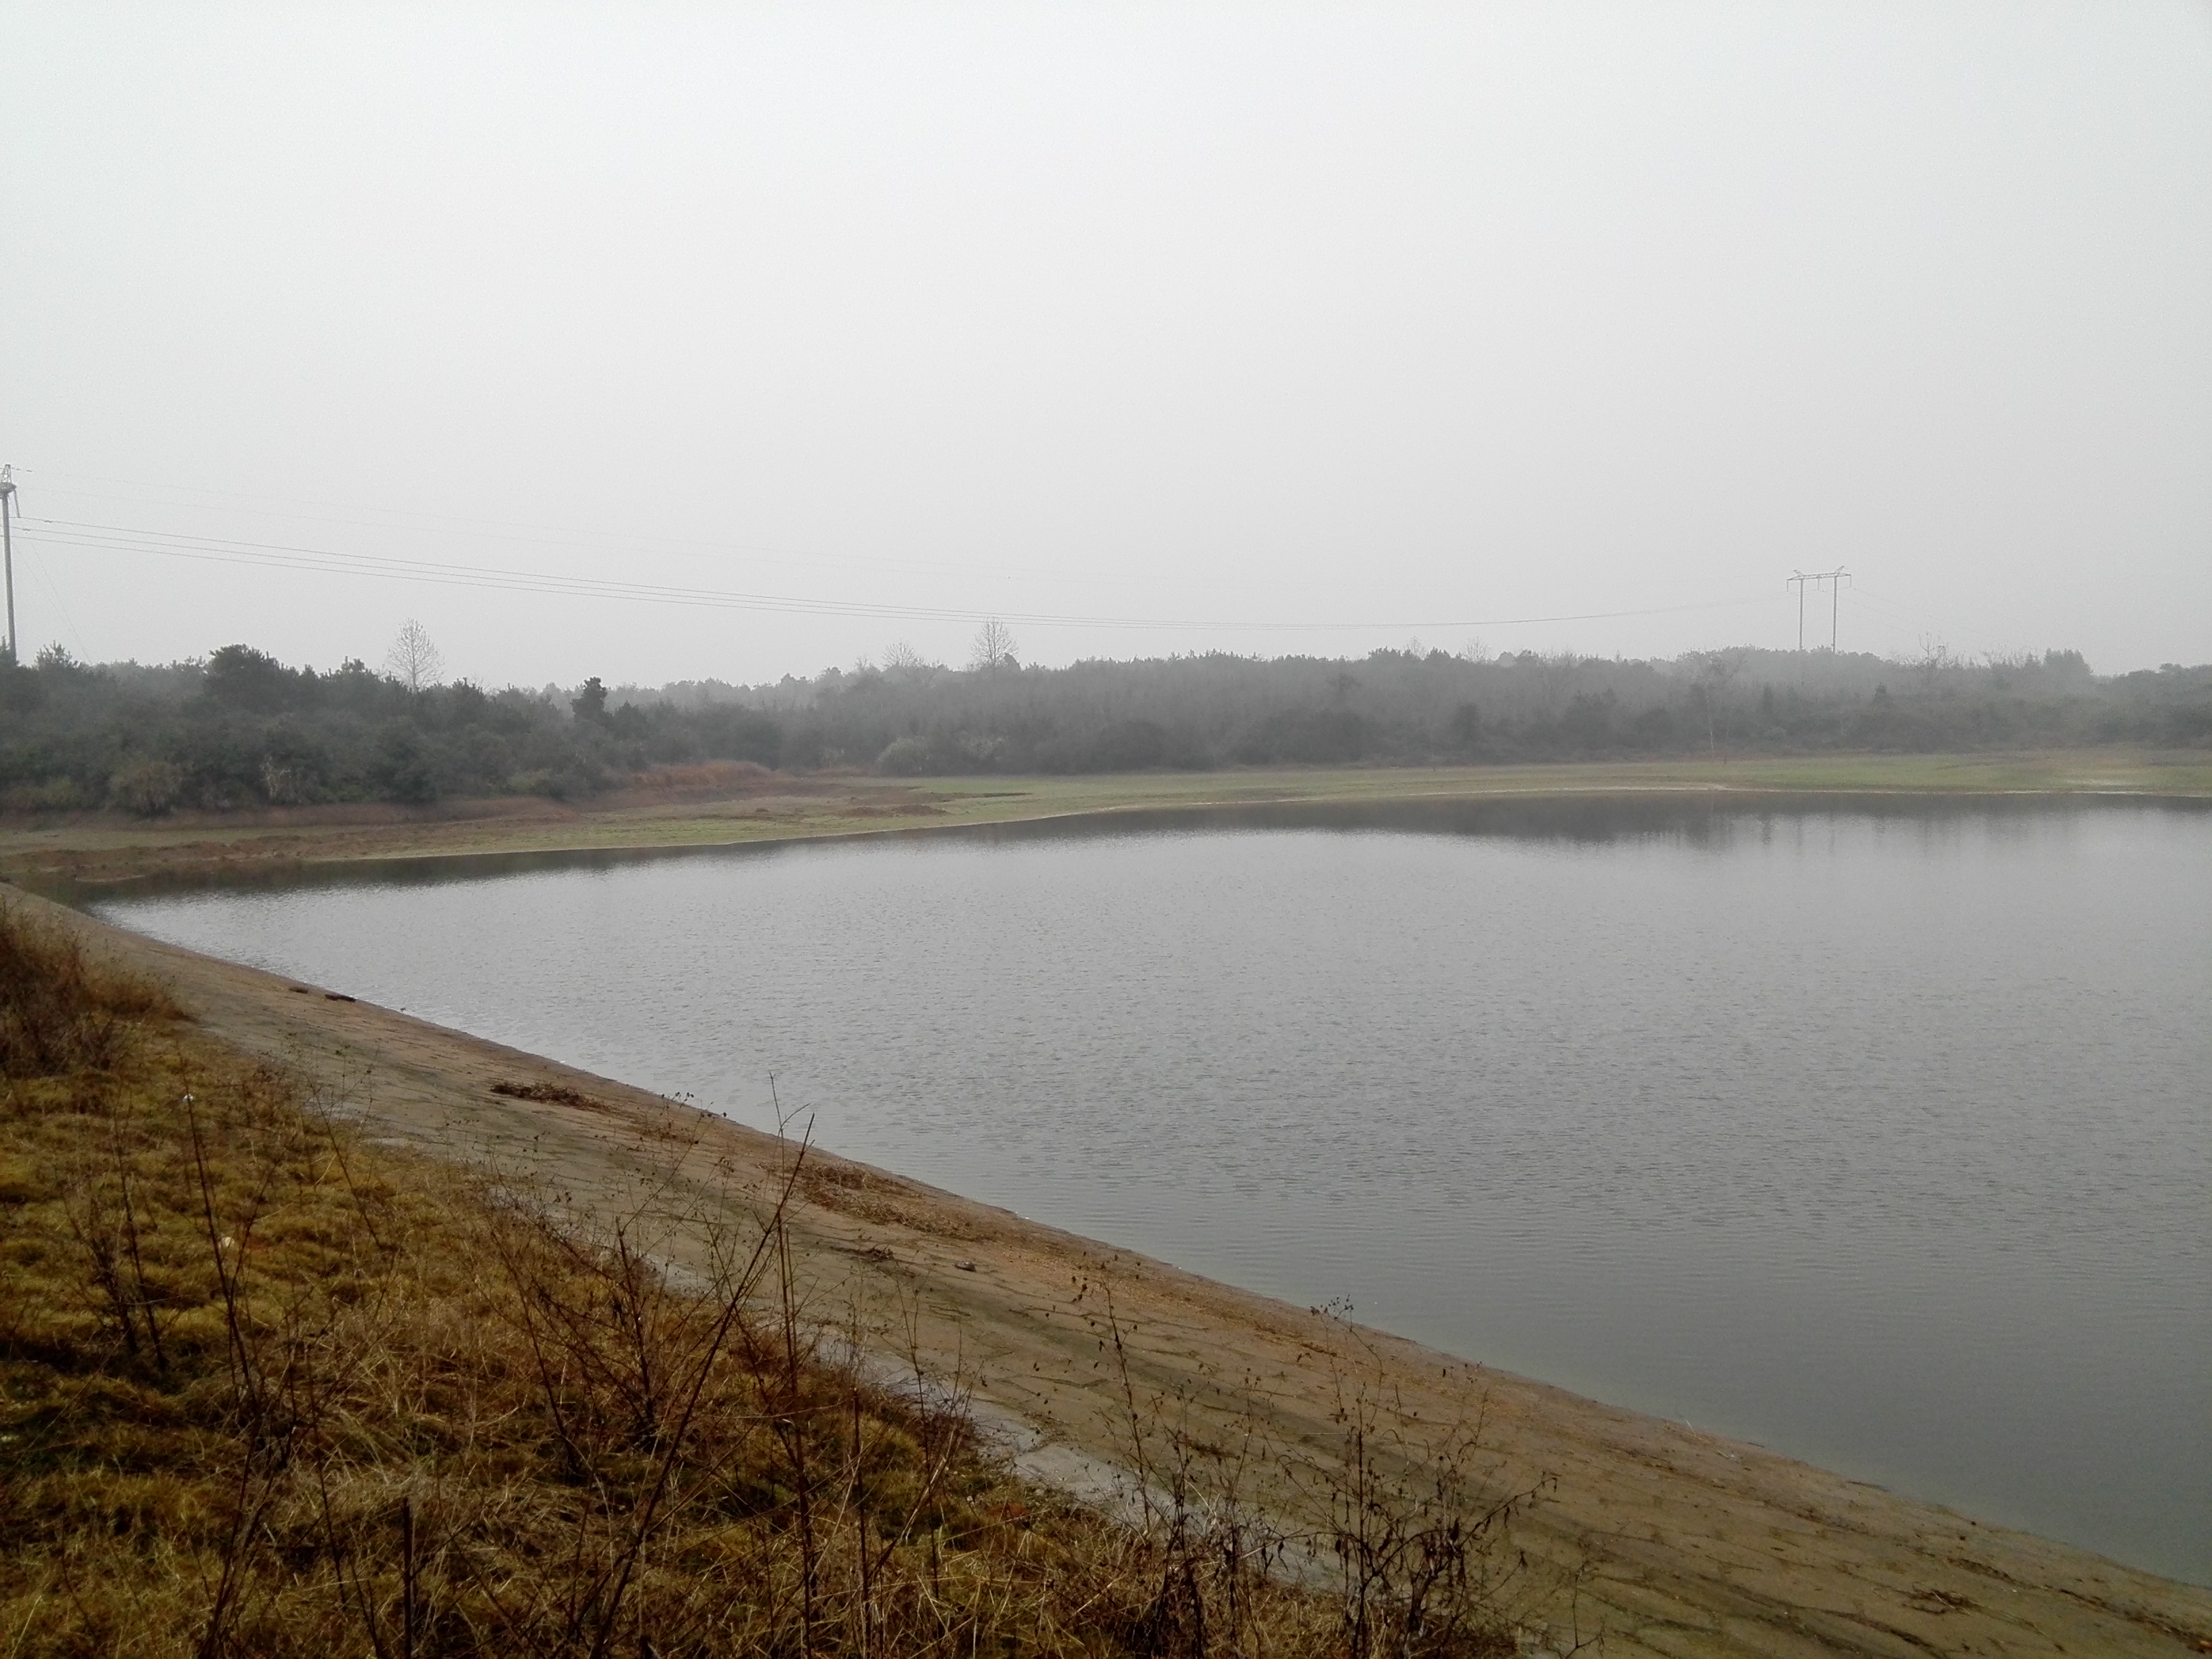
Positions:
(1877, 1134)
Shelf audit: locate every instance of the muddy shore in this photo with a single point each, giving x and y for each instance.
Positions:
(1682, 1543)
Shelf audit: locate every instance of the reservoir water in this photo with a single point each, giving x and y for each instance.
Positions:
(1879, 1134)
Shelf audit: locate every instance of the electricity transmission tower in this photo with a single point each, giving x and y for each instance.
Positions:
(1834, 581)
(7, 543)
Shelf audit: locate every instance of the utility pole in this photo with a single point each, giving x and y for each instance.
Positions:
(7, 543)
(1834, 581)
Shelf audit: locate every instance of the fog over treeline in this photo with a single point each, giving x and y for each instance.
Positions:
(241, 729)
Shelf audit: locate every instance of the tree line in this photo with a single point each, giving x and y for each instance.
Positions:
(240, 728)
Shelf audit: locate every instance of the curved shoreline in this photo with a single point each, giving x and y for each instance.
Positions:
(1690, 1544)
(77, 856)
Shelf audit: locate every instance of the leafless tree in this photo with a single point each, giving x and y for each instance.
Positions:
(414, 661)
(994, 645)
(899, 656)
(1716, 671)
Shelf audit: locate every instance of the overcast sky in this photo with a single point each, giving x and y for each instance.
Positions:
(1150, 327)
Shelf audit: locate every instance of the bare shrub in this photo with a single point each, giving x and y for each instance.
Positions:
(60, 1011)
(1396, 1540)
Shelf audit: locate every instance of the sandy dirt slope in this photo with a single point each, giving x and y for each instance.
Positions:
(1684, 1543)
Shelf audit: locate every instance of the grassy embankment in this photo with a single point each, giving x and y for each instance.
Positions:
(722, 805)
(270, 1386)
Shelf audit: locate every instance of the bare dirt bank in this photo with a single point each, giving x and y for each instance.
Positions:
(1688, 1544)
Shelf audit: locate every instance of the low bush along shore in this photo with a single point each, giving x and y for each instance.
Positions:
(267, 1387)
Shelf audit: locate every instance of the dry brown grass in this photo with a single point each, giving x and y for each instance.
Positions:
(268, 1388)
(56, 1012)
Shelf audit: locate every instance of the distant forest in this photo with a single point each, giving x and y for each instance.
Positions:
(241, 729)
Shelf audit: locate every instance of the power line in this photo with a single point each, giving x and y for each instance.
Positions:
(53, 590)
(324, 561)
(234, 496)
(407, 522)
(269, 555)
(387, 520)
(1949, 624)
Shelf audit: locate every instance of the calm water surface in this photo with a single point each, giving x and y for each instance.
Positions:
(1881, 1138)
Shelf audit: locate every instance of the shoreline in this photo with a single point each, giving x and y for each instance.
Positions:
(87, 854)
(1690, 1544)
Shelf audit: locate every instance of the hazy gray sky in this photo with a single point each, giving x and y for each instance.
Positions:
(1299, 327)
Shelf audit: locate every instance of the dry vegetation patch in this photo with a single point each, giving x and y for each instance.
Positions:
(267, 1388)
(554, 1093)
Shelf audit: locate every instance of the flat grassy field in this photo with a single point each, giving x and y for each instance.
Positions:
(710, 806)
